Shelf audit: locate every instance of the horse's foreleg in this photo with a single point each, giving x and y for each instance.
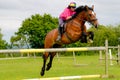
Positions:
(49, 65)
(84, 37)
(45, 56)
(90, 35)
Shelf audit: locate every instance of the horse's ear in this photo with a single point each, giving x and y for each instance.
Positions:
(86, 8)
(93, 7)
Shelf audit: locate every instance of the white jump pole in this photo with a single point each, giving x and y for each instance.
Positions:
(53, 50)
(67, 77)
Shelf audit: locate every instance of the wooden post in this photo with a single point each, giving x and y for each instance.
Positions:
(57, 54)
(74, 58)
(28, 55)
(106, 58)
(34, 55)
(118, 58)
(110, 54)
(100, 52)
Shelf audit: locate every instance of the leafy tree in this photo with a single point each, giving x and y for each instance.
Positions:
(36, 27)
(3, 43)
(103, 33)
(18, 41)
(116, 30)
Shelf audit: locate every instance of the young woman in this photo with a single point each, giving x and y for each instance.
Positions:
(64, 16)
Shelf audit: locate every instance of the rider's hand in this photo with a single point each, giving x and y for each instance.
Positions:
(69, 17)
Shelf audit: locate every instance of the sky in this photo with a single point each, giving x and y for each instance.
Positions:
(13, 12)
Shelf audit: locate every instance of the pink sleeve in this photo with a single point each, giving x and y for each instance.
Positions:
(64, 14)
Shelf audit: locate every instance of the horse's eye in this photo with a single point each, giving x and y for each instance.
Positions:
(90, 15)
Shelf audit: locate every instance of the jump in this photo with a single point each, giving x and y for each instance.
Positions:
(73, 31)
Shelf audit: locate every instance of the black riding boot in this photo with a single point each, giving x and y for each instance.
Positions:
(60, 31)
(84, 37)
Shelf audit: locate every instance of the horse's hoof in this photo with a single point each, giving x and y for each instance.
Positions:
(48, 68)
(42, 73)
(90, 41)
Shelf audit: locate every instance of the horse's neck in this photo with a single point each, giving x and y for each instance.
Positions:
(80, 19)
(77, 22)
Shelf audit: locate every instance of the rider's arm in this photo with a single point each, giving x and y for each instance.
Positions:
(69, 17)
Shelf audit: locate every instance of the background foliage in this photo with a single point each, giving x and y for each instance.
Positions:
(36, 27)
(33, 30)
(3, 43)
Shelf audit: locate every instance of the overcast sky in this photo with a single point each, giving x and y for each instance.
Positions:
(13, 12)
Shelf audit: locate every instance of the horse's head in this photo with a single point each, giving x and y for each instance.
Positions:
(89, 14)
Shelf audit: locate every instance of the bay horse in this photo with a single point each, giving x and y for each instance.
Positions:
(73, 33)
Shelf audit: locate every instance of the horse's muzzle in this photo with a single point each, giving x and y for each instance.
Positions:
(96, 26)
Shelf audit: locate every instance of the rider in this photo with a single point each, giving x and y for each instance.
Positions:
(64, 16)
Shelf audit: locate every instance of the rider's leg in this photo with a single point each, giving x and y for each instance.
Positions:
(60, 29)
(59, 33)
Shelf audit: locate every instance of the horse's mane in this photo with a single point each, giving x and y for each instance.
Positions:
(80, 9)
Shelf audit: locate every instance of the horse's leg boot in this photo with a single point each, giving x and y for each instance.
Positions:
(84, 37)
(90, 40)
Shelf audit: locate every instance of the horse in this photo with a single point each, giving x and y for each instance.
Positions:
(72, 33)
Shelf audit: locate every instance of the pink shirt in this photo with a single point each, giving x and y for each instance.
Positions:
(66, 13)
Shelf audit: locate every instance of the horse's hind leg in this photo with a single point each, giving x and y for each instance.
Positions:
(49, 65)
(45, 56)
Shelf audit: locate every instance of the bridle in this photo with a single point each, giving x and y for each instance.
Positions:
(89, 20)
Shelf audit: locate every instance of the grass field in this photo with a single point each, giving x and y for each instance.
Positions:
(18, 69)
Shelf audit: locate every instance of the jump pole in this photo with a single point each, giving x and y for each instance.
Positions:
(52, 50)
(67, 77)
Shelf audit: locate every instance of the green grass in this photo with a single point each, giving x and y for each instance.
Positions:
(18, 69)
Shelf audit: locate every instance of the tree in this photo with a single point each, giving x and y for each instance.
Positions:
(3, 43)
(116, 30)
(103, 33)
(19, 41)
(36, 27)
